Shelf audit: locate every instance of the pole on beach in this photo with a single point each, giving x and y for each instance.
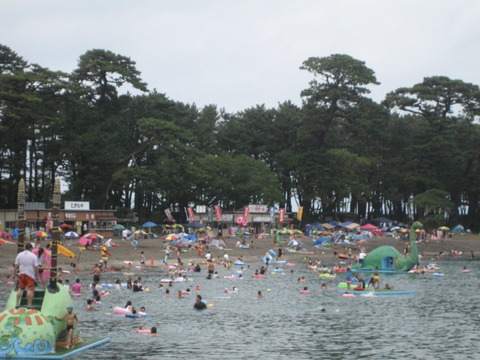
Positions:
(21, 215)
(53, 286)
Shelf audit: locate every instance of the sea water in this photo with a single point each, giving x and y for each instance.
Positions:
(440, 321)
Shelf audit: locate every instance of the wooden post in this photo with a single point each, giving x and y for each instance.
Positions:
(21, 215)
(53, 286)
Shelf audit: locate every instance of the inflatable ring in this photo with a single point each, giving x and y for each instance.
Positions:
(119, 310)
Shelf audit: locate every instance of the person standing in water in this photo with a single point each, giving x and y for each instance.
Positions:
(72, 322)
(199, 304)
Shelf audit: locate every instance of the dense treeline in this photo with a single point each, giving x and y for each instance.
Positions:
(416, 153)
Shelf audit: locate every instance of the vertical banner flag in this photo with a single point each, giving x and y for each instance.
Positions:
(272, 214)
(299, 213)
(168, 214)
(246, 212)
(281, 215)
(191, 214)
(218, 212)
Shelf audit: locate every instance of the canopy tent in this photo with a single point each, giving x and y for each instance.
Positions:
(459, 229)
(316, 225)
(320, 241)
(352, 226)
(338, 237)
(218, 243)
(382, 221)
(328, 226)
(368, 227)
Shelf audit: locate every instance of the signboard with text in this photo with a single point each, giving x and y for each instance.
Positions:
(77, 205)
(258, 209)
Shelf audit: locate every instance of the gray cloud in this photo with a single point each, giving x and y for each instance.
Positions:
(238, 54)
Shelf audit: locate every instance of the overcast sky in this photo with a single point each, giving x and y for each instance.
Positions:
(242, 53)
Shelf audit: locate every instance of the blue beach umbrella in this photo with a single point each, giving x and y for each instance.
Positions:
(149, 224)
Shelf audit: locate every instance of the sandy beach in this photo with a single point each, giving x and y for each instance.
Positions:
(460, 247)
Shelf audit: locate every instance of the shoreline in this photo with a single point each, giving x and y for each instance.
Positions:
(462, 245)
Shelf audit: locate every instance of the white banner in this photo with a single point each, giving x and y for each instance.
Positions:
(258, 209)
(201, 209)
(77, 205)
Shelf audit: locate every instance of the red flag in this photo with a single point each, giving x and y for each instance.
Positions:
(281, 216)
(218, 212)
(191, 214)
(246, 212)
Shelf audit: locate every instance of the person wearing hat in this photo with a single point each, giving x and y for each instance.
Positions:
(71, 322)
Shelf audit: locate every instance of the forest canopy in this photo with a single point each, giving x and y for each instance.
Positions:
(415, 154)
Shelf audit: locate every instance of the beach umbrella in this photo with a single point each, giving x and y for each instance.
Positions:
(66, 226)
(286, 232)
(118, 227)
(84, 241)
(90, 238)
(140, 232)
(40, 234)
(93, 236)
(293, 243)
(297, 232)
(171, 237)
(3, 241)
(71, 234)
(177, 226)
(444, 228)
(149, 224)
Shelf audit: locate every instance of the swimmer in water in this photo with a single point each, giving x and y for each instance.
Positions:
(90, 307)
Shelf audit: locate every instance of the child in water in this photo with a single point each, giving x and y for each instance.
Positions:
(90, 307)
(72, 322)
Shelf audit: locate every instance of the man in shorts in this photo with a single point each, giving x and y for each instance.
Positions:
(26, 267)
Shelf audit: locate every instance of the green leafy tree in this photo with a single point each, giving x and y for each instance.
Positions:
(447, 149)
(340, 85)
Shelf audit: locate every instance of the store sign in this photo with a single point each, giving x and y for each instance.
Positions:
(227, 217)
(258, 209)
(77, 205)
(201, 209)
